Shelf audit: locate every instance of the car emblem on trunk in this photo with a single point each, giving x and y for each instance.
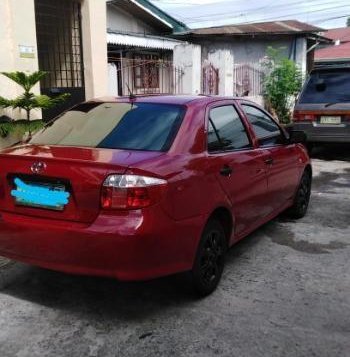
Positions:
(38, 167)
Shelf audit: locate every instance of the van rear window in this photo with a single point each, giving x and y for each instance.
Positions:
(327, 87)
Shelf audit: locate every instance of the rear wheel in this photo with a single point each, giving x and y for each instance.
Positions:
(210, 259)
(302, 197)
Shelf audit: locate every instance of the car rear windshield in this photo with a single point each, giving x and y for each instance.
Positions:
(327, 87)
(129, 126)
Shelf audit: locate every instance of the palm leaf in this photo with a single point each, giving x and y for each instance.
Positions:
(25, 126)
(26, 81)
(6, 129)
(5, 103)
(46, 102)
(29, 100)
(35, 77)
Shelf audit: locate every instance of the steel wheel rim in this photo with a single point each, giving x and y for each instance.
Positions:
(211, 261)
(304, 193)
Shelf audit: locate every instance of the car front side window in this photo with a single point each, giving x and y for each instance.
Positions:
(266, 130)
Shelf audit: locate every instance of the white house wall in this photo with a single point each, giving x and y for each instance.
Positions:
(223, 60)
(252, 50)
(187, 57)
(248, 50)
(119, 20)
(17, 29)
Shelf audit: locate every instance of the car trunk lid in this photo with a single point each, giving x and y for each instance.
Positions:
(78, 171)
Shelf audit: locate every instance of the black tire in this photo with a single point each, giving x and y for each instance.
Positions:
(302, 197)
(310, 148)
(210, 259)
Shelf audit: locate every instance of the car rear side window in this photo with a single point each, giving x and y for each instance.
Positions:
(265, 129)
(129, 126)
(225, 130)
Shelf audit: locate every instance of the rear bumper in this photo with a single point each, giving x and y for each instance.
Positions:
(325, 133)
(130, 247)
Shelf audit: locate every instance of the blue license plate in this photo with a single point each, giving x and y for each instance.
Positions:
(40, 195)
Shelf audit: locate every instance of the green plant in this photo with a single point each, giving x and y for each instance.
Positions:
(20, 127)
(5, 129)
(282, 83)
(28, 100)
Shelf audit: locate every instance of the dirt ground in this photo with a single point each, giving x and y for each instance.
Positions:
(285, 292)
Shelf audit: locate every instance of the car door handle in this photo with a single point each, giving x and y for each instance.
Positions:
(269, 161)
(226, 170)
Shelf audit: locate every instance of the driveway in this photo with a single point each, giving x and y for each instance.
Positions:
(285, 292)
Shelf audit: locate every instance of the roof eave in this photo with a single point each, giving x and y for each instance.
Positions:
(254, 34)
(175, 24)
(339, 59)
(159, 15)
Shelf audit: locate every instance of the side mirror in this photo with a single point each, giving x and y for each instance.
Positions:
(297, 137)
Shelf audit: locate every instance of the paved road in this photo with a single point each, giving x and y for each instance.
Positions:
(285, 292)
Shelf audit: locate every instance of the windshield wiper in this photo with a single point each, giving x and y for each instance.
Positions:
(333, 103)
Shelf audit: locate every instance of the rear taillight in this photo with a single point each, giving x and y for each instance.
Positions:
(131, 191)
(303, 117)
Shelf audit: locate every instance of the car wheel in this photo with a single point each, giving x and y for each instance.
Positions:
(302, 197)
(210, 259)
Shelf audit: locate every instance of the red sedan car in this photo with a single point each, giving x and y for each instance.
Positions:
(137, 188)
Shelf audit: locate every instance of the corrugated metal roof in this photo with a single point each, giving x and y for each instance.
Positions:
(333, 53)
(261, 28)
(137, 40)
(342, 34)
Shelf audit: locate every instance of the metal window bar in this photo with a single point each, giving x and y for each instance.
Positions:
(248, 79)
(210, 79)
(58, 27)
(147, 76)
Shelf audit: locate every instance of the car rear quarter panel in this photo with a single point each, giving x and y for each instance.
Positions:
(191, 190)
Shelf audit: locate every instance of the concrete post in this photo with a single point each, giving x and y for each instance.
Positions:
(301, 55)
(222, 59)
(94, 24)
(188, 57)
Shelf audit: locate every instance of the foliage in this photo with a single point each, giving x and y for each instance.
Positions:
(20, 127)
(348, 22)
(5, 129)
(28, 100)
(282, 83)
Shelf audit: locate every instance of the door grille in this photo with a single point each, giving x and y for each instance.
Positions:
(59, 42)
(59, 39)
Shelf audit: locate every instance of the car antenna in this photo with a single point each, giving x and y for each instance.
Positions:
(132, 96)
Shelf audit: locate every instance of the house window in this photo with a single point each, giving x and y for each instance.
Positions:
(146, 71)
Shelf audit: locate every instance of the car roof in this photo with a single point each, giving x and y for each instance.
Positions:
(166, 99)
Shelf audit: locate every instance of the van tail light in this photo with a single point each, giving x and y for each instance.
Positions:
(131, 191)
(297, 116)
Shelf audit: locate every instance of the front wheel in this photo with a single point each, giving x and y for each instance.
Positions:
(302, 197)
(210, 259)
